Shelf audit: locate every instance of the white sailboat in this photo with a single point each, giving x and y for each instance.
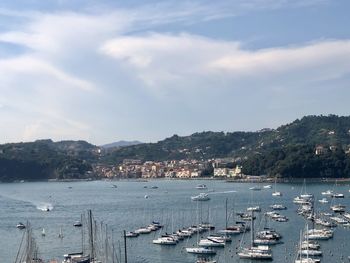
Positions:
(200, 250)
(255, 252)
(275, 192)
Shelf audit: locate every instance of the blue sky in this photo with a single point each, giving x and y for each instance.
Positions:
(104, 71)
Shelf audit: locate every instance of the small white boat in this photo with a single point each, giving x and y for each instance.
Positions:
(201, 186)
(165, 241)
(43, 232)
(267, 186)
(77, 224)
(338, 195)
(328, 193)
(255, 188)
(254, 208)
(20, 225)
(323, 200)
(200, 250)
(201, 197)
(278, 207)
(144, 230)
(211, 243)
(338, 208)
(276, 193)
(131, 234)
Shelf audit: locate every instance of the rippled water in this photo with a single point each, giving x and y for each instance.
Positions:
(126, 208)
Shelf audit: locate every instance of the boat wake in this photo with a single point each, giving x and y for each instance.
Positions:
(46, 207)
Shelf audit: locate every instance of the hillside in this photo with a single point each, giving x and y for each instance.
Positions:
(45, 159)
(310, 130)
(288, 151)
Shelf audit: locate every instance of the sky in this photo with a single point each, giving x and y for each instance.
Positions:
(111, 70)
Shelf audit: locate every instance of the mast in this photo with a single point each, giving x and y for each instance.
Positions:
(252, 229)
(125, 252)
(91, 236)
(226, 213)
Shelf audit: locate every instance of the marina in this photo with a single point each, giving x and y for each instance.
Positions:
(170, 227)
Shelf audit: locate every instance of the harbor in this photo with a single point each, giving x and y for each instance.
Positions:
(170, 224)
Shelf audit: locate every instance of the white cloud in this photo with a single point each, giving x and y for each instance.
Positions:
(80, 71)
(165, 60)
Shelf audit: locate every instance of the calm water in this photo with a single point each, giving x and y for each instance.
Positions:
(126, 208)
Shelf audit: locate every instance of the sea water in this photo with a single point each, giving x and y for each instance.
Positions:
(122, 205)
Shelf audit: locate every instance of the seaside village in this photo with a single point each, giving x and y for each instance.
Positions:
(228, 168)
(182, 169)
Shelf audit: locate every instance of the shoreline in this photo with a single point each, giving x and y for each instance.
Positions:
(227, 180)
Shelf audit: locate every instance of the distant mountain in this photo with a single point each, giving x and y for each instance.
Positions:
(121, 144)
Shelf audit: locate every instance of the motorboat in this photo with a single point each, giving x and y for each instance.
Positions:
(205, 260)
(251, 253)
(76, 258)
(267, 186)
(327, 193)
(20, 225)
(201, 197)
(167, 240)
(323, 200)
(338, 195)
(131, 234)
(254, 208)
(213, 242)
(201, 250)
(338, 208)
(278, 207)
(77, 224)
(276, 193)
(143, 230)
(255, 188)
(201, 187)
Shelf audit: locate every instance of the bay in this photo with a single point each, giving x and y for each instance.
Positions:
(125, 208)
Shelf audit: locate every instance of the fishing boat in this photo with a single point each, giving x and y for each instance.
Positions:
(201, 197)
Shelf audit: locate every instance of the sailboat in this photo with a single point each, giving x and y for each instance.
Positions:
(200, 250)
(275, 192)
(255, 252)
(238, 228)
(300, 258)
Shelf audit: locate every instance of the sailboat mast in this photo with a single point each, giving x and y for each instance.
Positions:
(91, 235)
(125, 252)
(226, 213)
(252, 229)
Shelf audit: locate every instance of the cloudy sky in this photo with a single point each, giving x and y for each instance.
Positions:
(109, 70)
